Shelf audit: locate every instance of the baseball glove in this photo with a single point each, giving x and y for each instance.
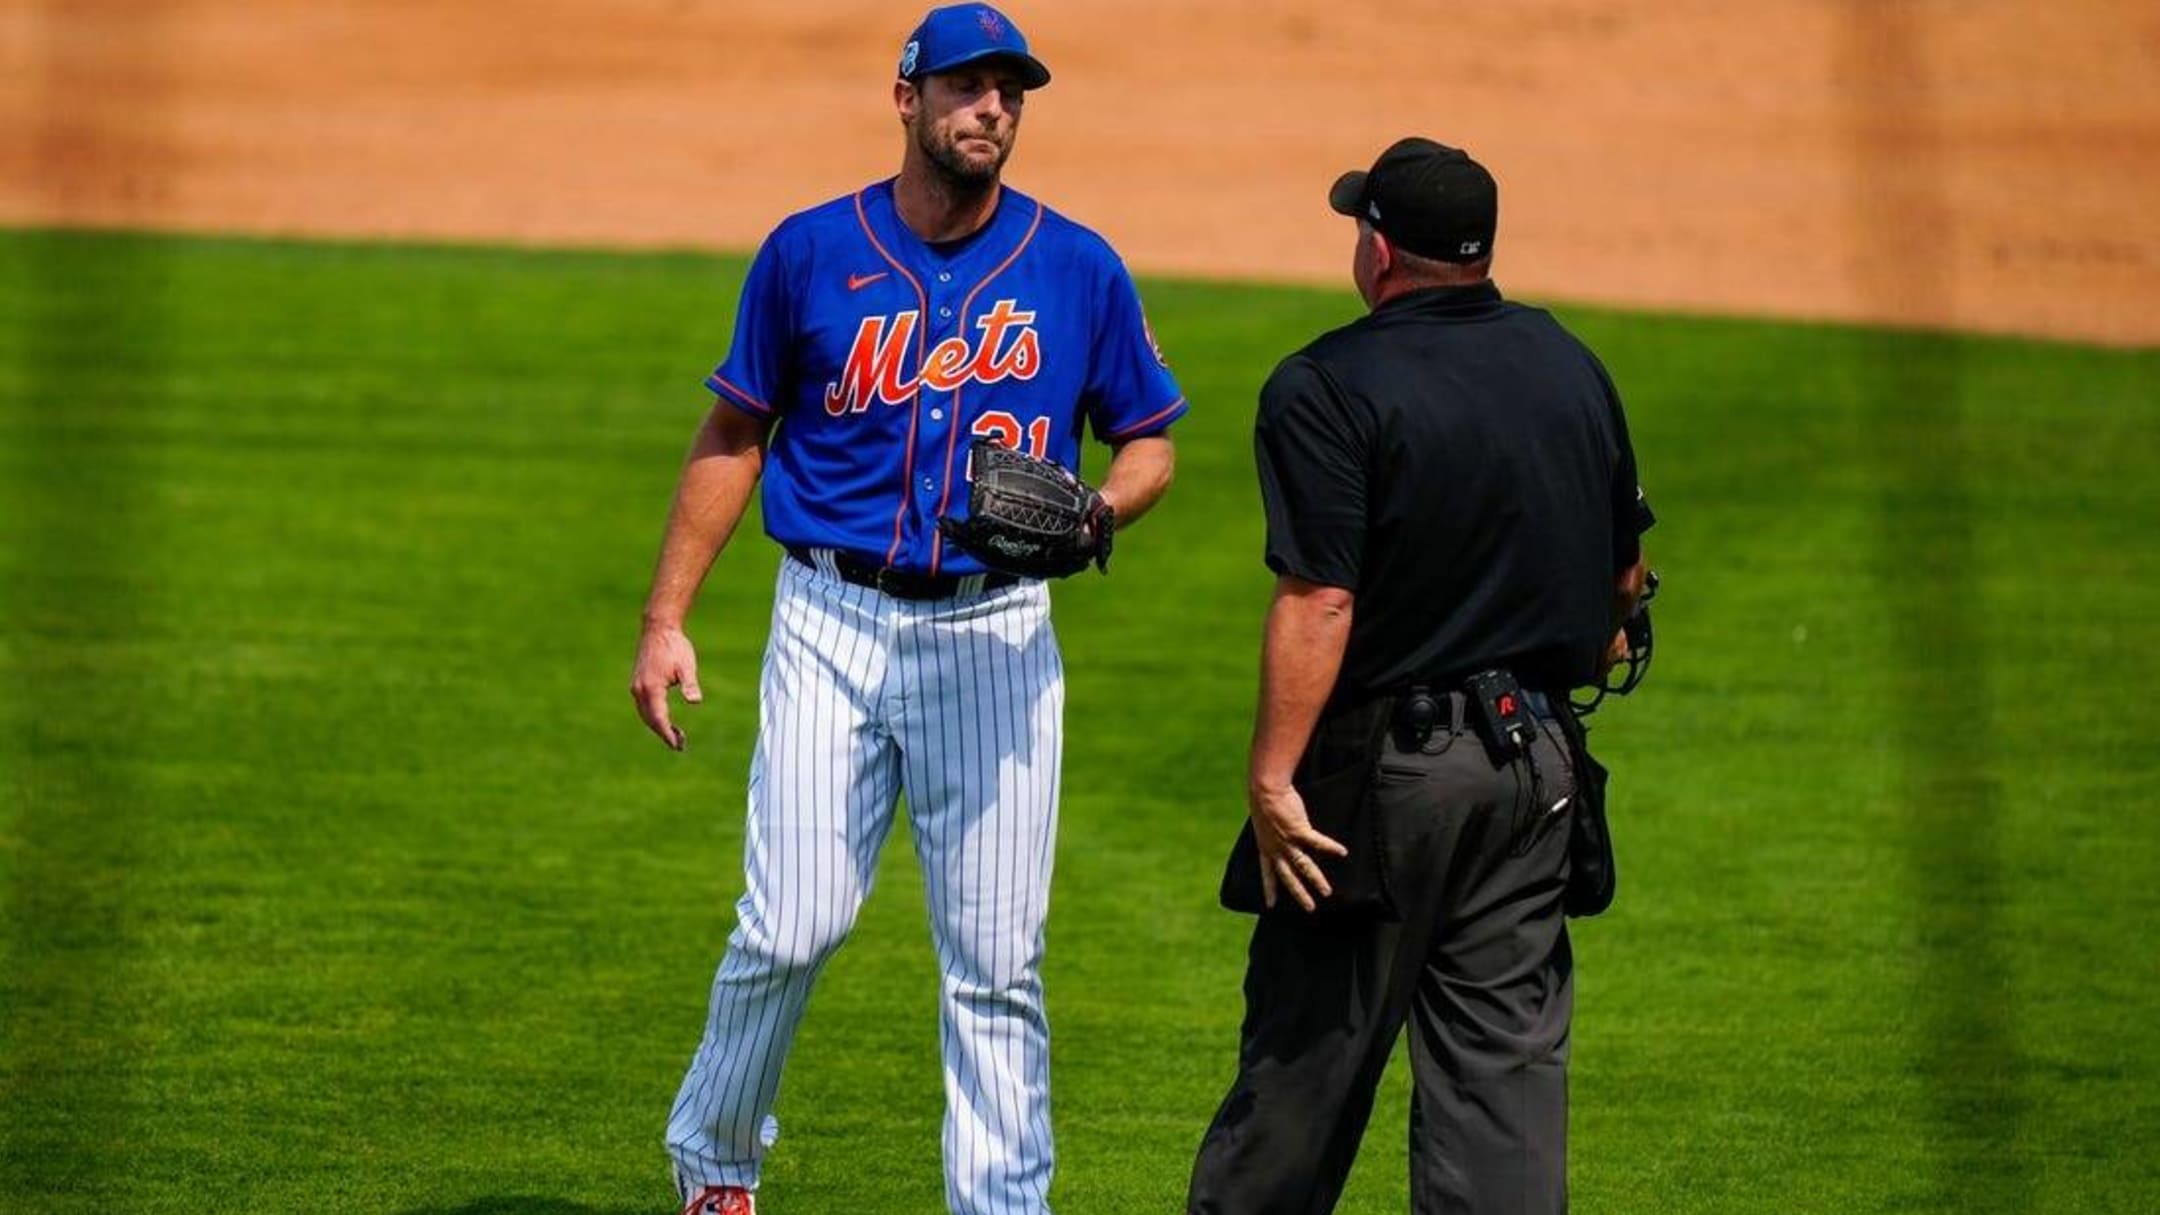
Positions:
(1030, 517)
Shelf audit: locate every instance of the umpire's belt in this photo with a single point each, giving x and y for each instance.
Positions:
(898, 583)
(1454, 710)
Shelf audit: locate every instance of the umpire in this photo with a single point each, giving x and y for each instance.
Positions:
(1453, 520)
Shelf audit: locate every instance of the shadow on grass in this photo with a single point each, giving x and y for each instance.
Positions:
(1927, 560)
(71, 989)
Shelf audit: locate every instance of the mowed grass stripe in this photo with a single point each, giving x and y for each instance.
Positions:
(1929, 566)
(75, 802)
(338, 870)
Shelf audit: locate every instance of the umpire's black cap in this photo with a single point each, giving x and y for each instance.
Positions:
(1428, 198)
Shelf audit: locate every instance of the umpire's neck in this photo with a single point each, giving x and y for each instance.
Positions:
(1384, 270)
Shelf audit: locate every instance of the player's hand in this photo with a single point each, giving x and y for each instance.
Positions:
(665, 658)
(1287, 842)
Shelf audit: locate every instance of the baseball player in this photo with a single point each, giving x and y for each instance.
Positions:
(879, 337)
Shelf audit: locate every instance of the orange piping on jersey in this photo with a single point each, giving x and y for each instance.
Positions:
(1148, 421)
(907, 472)
(952, 442)
(741, 396)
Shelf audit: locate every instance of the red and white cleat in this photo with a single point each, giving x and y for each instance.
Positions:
(721, 1200)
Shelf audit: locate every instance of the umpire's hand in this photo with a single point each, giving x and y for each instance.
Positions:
(1287, 840)
(665, 658)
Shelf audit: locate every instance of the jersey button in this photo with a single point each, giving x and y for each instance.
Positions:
(937, 415)
(944, 314)
(944, 276)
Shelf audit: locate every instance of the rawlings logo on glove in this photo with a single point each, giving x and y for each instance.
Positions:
(1030, 517)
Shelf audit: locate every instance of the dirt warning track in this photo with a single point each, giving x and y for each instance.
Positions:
(1976, 164)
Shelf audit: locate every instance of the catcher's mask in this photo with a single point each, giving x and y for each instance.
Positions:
(1627, 674)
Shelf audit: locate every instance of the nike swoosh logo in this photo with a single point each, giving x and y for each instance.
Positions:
(856, 282)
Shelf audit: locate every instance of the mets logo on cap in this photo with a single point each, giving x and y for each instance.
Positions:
(992, 22)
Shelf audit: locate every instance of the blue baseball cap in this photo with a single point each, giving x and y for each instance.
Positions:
(963, 33)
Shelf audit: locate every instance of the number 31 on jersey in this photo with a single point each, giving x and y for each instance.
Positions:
(1002, 427)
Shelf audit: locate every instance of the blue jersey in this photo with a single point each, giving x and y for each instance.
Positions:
(881, 355)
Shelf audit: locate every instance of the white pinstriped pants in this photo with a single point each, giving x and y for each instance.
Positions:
(959, 703)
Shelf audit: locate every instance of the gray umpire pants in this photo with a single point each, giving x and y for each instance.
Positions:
(1478, 966)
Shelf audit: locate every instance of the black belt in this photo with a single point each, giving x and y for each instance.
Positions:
(1454, 706)
(901, 584)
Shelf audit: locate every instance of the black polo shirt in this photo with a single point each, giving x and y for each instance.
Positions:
(1461, 464)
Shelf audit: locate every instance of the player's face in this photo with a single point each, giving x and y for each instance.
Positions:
(964, 121)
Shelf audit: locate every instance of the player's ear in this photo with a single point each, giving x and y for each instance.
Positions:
(905, 98)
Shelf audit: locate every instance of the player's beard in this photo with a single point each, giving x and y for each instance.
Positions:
(959, 172)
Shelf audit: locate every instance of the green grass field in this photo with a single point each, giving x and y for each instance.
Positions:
(336, 873)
